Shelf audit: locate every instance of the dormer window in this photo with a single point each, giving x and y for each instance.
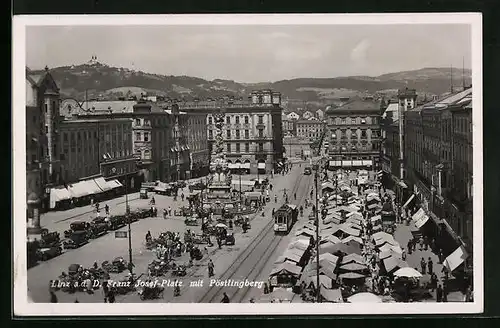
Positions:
(363, 121)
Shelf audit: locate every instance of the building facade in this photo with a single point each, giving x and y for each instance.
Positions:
(100, 146)
(198, 143)
(253, 134)
(311, 129)
(288, 125)
(353, 132)
(438, 148)
(42, 124)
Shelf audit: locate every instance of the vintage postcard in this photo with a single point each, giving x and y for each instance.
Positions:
(280, 164)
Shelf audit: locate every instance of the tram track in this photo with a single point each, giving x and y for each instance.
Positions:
(257, 252)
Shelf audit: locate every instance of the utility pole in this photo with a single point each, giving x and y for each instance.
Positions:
(318, 296)
(127, 211)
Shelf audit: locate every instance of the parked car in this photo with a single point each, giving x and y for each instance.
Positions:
(99, 227)
(76, 240)
(48, 253)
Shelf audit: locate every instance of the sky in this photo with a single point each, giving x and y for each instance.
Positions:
(254, 53)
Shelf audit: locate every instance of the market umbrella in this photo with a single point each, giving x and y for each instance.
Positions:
(282, 294)
(364, 298)
(220, 225)
(353, 267)
(407, 272)
(351, 275)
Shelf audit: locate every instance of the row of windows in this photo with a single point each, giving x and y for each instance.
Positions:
(360, 133)
(237, 120)
(105, 133)
(246, 146)
(353, 120)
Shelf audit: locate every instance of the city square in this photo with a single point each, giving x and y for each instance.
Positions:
(148, 187)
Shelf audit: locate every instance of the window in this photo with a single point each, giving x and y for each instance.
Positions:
(237, 134)
(46, 129)
(228, 134)
(247, 147)
(210, 120)
(237, 147)
(46, 108)
(261, 133)
(146, 136)
(138, 136)
(237, 118)
(261, 147)
(343, 121)
(137, 121)
(228, 120)
(261, 119)
(247, 134)
(65, 137)
(363, 134)
(246, 119)
(228, 148)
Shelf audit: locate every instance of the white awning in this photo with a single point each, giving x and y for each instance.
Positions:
(262, 165)
(357, 163)
(102, 184)
(245, 166)
(234, 166)
(420, 218)
(409, 200)
(58, 194)
(346, 164)
(335, 163)
(456, 258)
(114, 184)
(367, 163)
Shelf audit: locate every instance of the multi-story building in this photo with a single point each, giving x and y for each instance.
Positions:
(353, 133)
(100, 146)
(393, 136)
(311, 129)
(253, 132)
(198, 143)
(288, 125)
(438, 152)
(42, 123)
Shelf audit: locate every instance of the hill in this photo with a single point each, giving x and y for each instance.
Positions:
(97, 80)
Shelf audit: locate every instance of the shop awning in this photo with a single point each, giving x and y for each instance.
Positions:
(114, 184)
(261, 166)
(367, 163)
(456, 258)
(245, 166)
(243, 182)
(357, 163)
(346, 163)
(80, 189)
(409, 200)
(101, 183)
(420, 218)
(234, 166)
(335, 163)
(58, 194)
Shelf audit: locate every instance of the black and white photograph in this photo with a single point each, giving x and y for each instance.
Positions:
(282, 164)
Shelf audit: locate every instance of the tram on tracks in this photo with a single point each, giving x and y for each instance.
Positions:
(284, 218)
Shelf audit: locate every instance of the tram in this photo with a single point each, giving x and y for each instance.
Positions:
(284, 218)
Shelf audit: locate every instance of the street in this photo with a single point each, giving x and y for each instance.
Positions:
(106, 248)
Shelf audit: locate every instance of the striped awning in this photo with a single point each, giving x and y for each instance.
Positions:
(262, 166)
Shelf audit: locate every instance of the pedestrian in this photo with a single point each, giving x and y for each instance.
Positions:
(439, 294)
(426, 243)
(445, 272)
(182, 196)
(225, 298)
(430, 266)
(423, 264)
(421, 243)
(111, 295)
(53, 297)
(169, 211)
(403, 254)
(106, 209)
(210, 268)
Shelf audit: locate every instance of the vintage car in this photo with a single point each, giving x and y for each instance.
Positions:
(46, 253)
(80, 226)
(144, 193)
(99, 227)
(116, 222)
(49, 239)
(76, 240)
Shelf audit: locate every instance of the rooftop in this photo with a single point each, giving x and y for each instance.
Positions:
(463, 97)
(357, 105)
(308, 122)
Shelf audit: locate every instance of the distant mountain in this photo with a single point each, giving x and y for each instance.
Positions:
(97, 80)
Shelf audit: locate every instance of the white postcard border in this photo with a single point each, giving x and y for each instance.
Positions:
(22, 307)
